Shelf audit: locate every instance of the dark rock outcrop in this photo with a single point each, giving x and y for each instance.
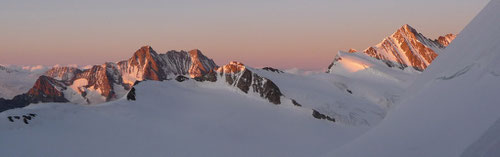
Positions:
(318, 115)
(25, 118)
(181, 78)
(272, 70)
(349, 91)
(16, 102)
(236, 74)
(131, 93)
(296, 103)
(211, 77)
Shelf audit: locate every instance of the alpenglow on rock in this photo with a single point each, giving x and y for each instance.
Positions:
(452, 107)
(110, 81)
(146, 64)
(409, 48)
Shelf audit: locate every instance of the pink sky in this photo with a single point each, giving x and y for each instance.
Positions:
(282, 34)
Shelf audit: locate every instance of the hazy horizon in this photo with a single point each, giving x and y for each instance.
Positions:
(281, 34)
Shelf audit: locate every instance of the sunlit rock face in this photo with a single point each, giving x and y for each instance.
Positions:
(46, 89)
(232, 67)
(147, 64)
(200, 64)
(236, 74)
(447, 39)
(409, 48)
(110, 81)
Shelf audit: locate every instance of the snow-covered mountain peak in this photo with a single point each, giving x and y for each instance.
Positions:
(408, 48)
(406, 28)
(146, 64)
(145, 52)
(451, 109)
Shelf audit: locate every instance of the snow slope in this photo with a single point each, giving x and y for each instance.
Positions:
(452, 108)
(327, 94)
(171, 118)
(370, 78)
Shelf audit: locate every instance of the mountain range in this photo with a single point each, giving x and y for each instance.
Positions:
(172, 103)
(112, 81)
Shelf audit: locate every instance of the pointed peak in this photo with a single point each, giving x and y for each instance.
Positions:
(146, 48)
(47, 89)
(144, 55)
(200, 64)
(195, 52)
(43, 82)
(406, 28)
(144, 51)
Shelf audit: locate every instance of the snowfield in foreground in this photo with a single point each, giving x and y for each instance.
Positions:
(173, 118)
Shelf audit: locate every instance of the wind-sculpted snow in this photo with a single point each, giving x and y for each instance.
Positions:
(456, 74)
(369, 78)
(242, 79)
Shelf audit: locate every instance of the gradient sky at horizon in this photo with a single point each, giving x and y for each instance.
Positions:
(294, 33)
